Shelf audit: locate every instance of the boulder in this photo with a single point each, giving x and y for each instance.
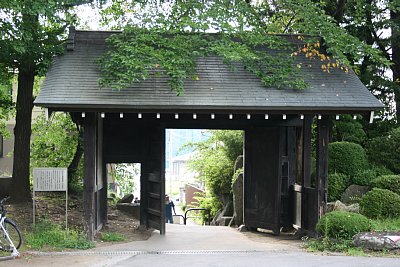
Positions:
(338, 205)
(377, 241)
(126, 199)
(353, 193)
(226, 212)
(237, 189)
(238, 163)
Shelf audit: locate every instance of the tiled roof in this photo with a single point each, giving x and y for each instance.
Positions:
(72, 84)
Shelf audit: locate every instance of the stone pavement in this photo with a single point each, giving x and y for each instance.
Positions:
(199, 246)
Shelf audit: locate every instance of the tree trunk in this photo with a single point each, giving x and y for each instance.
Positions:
(73, 166)
(20, 190)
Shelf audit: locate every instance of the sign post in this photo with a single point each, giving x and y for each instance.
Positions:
(51, 179)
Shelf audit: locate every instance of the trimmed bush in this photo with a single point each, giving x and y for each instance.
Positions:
(342, 224)
(337, 183)
(390, 182)
(381, 170)
(347, 158)
(364, 177)
(380, 203)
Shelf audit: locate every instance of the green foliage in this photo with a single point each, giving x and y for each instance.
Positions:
(342, 225)
(349, 130)
(6, 103)
(390, 182)
(215, 159)
(337, 183)
(112, 237)
(364, 177)
(174, 54)
(380, 203)
(53, 144)
(208, 202)
(390, 224)
(48, 235)
(123, 174)
(326, 243)
(171, 37)
(385, 150)
(347, 158)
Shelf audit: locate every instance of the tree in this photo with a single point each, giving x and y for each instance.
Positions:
(58, 143)
(215, 159)
(377, 24)
(31, 34)
(6, 103)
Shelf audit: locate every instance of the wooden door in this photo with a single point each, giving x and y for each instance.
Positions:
(262, 178)
(153, 181)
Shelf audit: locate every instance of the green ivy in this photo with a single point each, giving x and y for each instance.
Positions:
(137, 53)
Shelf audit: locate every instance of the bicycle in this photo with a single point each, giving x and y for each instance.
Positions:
(10, 235)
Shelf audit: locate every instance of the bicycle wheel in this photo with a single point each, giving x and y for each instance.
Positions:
(13, 233)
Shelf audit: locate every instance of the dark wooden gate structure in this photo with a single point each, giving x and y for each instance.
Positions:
(280, 187)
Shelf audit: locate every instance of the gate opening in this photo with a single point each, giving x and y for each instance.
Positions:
(123, 179)
(199, 169)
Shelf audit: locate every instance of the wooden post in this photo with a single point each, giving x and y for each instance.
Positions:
(322, 163)
(89, 203)
(307, 150)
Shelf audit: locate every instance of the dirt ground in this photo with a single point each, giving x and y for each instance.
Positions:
(51, 206)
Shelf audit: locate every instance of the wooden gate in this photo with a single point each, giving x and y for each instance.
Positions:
(153, 182)
(262, 178)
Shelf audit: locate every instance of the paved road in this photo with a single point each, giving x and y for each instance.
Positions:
(201, 246)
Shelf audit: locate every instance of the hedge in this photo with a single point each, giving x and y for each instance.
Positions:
(343, 224)
(380, 203)
(347, 158)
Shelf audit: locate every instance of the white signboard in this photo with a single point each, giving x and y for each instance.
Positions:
(50, 179)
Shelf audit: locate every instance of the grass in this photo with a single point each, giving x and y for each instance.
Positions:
(386, 225)
(51, 236)
(345, 245)
(112, 237)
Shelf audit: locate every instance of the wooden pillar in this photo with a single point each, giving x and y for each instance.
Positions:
(307, 150)
(89, 203)
(322, 163)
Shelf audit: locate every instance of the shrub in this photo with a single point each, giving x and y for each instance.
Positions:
(381, 170)
(364, 177)
(337, 183)
(347, 158)
(342, 224)
(385, 150)
(380, 203)
(390, 182)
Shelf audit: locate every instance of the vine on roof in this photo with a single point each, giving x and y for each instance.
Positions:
(137, 53)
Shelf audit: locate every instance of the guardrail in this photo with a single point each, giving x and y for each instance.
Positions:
(185, 217)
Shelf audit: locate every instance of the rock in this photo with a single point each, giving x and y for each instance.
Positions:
(338, 205)
(132, 209)
(238, 163)
(126, 199)
(112, 216)
(237, 189)
(242, 228)
(219, 219)
(377, 241)
(225, 220)
(353, 193)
